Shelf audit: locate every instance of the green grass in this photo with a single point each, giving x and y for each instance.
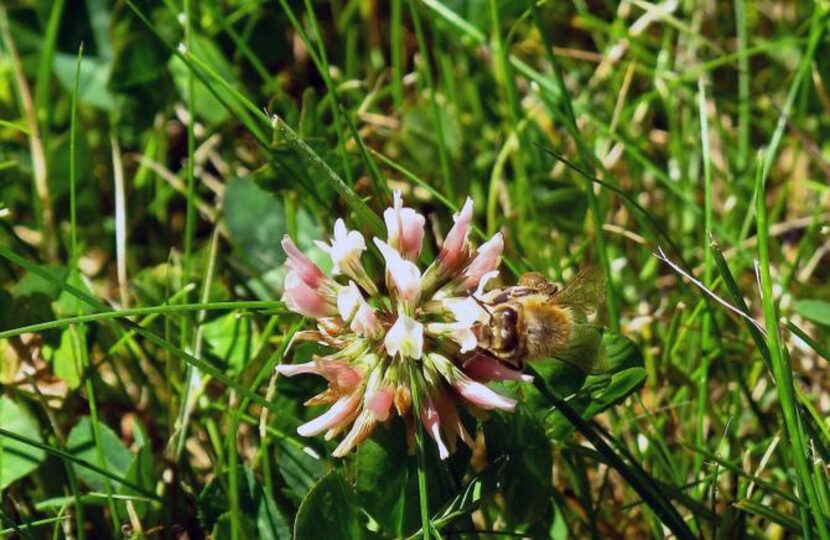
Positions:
(659, 146)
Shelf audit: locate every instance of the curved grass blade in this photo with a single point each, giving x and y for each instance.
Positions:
(637, 478)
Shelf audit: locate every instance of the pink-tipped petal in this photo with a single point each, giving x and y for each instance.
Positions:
(338, 414)
(432, 425)
(379, 403)
(405, 228)
(482, 396)
(301, 265)
(366, 323)
(304, 299)
(486, 260)
(455, 251)
(338, 373)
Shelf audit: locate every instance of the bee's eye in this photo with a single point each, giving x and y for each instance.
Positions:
(507, 319)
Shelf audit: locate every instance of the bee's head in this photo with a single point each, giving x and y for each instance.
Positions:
(500, 334)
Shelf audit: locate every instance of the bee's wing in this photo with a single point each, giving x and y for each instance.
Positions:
(585, 350)
(584, 292)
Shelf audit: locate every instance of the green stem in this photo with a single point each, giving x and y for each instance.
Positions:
(426, 527)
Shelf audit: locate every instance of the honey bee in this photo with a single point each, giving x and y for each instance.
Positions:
(537, 319)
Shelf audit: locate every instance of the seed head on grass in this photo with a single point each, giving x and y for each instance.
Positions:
(379, 327)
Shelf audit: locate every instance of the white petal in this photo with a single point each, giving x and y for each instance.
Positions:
(405, 337)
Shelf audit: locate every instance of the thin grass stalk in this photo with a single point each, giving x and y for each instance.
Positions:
(73, 258)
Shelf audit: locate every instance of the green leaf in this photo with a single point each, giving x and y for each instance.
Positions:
(623, 374)
(229, 337)
(622, 385)
(620, 352)
(258, 507)
(65, 361)
(31, 283)
(519, 449)
(17, 459)
(817, 311)
(298, 467)
(81, 443)
(328, 511)
(256, 222)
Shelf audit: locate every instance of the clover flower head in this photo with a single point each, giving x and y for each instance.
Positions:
(411, 331)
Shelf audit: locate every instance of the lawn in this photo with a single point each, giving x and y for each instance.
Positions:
(414, 269)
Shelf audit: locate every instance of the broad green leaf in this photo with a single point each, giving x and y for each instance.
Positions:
(620, 352)
(386, 479)
(17, 459)
(622, 384)
(256, 222)
(817, 311)
(81, 443)
(31, 283)
(623, 374)
(328, 511)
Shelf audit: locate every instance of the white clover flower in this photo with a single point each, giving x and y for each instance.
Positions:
(383, 328)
